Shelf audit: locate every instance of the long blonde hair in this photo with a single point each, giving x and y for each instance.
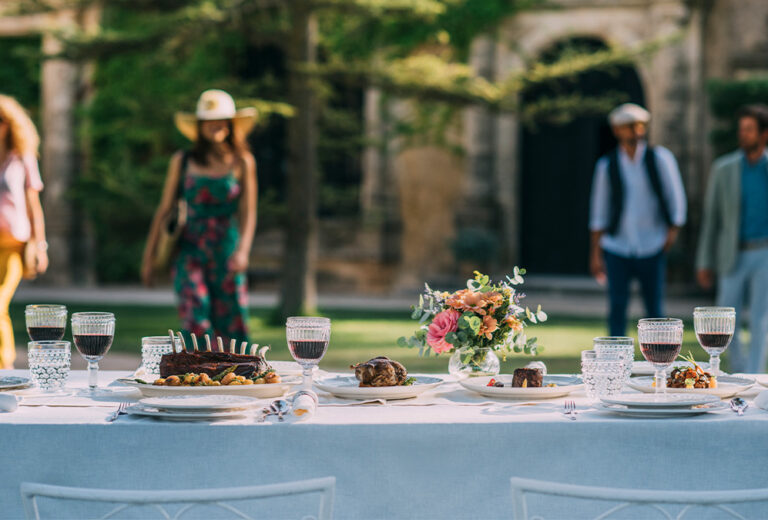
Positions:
(22, 137)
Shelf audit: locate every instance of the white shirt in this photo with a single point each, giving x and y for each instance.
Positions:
(642, 230)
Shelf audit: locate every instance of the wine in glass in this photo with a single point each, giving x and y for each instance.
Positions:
(714, 328)
(93, 333)
(46, 322)
(660, 343)
(308, 340)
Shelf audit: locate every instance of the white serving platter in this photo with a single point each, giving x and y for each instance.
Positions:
(727, 386)
(264, 391)
(564, 386)
(347, 387)
(661, 413)
(647, 401)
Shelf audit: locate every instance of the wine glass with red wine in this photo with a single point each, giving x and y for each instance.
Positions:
(308, 340)
(714, 328)
(93, 333)
(660, 343)
(46, 322)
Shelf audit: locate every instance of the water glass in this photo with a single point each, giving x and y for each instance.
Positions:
(93, 333)
(308, 341)
(714, 328)
(602, 377)
(152, 350)
(660, 343)
(46, 322)
(49, 364)
(621, 347)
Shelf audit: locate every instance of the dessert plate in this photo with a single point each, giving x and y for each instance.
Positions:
(648, 401)
(727, 386)
(14, 383)
(149, 411)
(199, 402)
(265, 391)
(661, 413)
(564, 385)
(347, 387)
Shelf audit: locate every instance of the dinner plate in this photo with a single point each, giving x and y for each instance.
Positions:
(727, 386)
(564, 386)
(199, 402)
(670, 400)
(149, 411)
(661, 413)
(347, 387)
(265, 391)
(14, 383)
(644, 368)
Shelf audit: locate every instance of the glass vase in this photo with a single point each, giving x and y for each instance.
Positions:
(474, 362)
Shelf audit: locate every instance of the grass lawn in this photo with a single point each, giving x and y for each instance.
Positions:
(358, 336)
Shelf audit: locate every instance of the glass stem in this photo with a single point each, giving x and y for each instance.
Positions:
(661, 382)
(93, 375)
(307, 382)
(714, 365)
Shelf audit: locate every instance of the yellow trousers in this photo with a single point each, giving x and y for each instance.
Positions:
(10, 276)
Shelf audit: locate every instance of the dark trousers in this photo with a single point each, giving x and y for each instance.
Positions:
(650, 272)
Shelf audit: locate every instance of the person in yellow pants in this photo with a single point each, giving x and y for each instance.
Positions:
(21, 214)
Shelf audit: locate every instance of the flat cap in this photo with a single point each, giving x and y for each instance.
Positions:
(627, 114)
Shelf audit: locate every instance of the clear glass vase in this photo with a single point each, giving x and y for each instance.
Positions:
(474, 362)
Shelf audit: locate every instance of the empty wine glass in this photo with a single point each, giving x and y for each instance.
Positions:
(308, 340)
(660, 343)
(46, 322)
(622, 347)
(93, 333)
(714, 328)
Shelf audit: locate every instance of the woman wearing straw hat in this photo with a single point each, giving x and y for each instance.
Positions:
(217, 181)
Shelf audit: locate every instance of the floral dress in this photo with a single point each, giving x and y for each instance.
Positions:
(212, 299)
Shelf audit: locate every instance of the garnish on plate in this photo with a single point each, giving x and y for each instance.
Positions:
(690, 377)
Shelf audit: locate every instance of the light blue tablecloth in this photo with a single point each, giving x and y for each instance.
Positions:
(442, 461)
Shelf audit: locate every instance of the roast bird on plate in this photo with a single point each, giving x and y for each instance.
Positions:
(381, 371)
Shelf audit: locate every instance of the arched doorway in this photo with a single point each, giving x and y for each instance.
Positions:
(557, 163)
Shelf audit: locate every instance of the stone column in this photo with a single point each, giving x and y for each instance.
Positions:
(59, 94)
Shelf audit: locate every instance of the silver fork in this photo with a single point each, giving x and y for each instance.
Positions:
(117, 413)
(569, 410)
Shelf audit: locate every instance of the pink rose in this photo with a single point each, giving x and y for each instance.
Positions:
(445, 322)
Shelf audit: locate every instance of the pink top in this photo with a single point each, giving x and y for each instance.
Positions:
(16, 175)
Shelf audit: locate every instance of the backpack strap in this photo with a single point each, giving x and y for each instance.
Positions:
(653, 176)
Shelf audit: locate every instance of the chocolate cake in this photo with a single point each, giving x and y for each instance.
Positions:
(211, 363)
(531, 375)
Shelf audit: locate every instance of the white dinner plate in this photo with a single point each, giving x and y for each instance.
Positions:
(14, 383)
(564, 386)
(148, 411)
(644, 368)
(727, 386)
(199, 402)
(348, 387)
(265, 391)
(670, 401)
(660, 413)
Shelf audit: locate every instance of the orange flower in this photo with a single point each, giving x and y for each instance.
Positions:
(514, 324)
(489, 326)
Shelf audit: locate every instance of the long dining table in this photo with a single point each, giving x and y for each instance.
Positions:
(446, 454)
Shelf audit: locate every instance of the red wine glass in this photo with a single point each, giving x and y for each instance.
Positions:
(714, 328)
(308, 339)
(46, 322)
(93, 333)
(660, 343)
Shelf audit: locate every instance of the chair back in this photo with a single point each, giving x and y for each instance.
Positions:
(613, 503)
(178, 504)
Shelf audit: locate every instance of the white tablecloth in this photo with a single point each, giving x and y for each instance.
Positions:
(390, 461)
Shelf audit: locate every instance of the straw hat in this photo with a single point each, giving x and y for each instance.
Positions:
(215, 105)
(627, 114)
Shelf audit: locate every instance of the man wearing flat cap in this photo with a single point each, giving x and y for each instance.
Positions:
(638, 206)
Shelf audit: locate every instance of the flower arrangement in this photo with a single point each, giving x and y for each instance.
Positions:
(484, 315)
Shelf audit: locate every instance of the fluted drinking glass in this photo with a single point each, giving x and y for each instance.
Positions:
(46, 322)
(714, 328)
(660, 343)
(308, 339)
(93, 333)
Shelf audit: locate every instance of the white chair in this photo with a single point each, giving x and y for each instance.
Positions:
(188, 499)
(652, 502)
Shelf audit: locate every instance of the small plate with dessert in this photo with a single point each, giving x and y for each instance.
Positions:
(378, 378)
(525, 383)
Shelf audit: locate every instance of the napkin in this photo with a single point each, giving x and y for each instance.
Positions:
(8, 403)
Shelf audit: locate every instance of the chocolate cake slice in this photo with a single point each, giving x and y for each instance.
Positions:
(211, 363)
(533, 377)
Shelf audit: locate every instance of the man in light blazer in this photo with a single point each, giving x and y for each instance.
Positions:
(733, 244)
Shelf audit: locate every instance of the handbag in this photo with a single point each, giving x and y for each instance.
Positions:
(172, 225)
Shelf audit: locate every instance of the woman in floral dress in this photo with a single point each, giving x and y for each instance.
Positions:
(218, 183)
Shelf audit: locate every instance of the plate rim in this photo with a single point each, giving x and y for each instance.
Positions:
(651, 405)
(245, 402)
(137, 409)
(665, 412)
